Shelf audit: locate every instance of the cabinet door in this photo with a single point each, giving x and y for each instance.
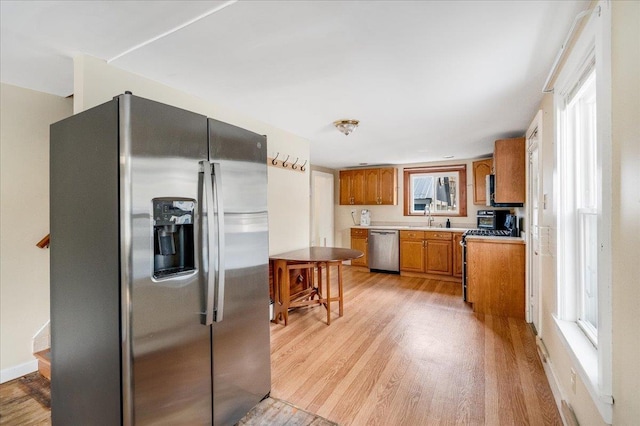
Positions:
(352, 187)
(481, 169)
(496, 280)
(509, 165)
(411, 255)
(457, 255)
(388, 186)
(357, 186)
(345, 187)
(438, 257)
(362, 244)
(372, 186)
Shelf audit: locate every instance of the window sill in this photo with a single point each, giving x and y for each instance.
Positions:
(584, 357)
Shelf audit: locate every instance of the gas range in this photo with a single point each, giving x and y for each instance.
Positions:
(488, 232)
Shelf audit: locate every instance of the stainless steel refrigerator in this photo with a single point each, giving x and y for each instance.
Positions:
(159, 273)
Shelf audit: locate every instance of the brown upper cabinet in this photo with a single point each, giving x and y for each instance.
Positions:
(352, 186)
(481, 169)
(380, 186)
(509, 170)
(369, 186)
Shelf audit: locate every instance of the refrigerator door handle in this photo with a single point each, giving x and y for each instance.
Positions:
(220, 271)
(208, 189)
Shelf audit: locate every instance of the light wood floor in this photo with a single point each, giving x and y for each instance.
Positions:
(25, 401)
(409, 351)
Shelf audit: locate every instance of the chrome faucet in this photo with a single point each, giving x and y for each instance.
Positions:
(427, 209)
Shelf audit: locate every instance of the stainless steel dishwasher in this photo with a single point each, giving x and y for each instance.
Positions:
(384, 250)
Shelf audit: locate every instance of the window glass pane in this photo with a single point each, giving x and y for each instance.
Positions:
(433, 192)
(589, 270)
(422, 189)
(582, 185)
(585, 114)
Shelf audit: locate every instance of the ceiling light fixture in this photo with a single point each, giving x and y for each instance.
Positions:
(346, 126)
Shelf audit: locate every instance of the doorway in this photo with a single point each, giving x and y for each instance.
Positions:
(322, 205)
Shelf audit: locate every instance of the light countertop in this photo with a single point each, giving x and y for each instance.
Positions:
(512, 240)
(411, 227)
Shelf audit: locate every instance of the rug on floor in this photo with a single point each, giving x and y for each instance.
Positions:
(271, 411)
(36, 387)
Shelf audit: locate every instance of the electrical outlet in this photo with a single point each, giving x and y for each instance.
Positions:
(573, 381)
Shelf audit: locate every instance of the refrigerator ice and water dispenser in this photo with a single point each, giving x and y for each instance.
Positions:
(173, 242)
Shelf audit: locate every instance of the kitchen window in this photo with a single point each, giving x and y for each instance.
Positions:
(436, 190)
(581, 201)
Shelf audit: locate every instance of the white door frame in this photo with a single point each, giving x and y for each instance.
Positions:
(322, 199)
(534, 218)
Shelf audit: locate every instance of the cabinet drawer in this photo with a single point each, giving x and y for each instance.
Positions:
(411, 235)
(357, 232)
(434, 235)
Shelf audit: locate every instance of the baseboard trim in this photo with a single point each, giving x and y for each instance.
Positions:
(554, 384)
(16, 371)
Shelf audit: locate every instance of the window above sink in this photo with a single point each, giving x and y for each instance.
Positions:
(435, 190)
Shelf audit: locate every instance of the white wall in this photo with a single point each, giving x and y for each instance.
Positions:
(394, 215)
(24, 219)
(625, 231)
(96, 82)
(625, 62)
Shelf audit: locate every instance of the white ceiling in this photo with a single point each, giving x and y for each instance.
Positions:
(426, 79)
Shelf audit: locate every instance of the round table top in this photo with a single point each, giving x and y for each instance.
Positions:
(319, 254)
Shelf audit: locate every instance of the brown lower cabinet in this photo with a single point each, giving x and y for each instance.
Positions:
(496, 276)
(429, 252)
(360, 241)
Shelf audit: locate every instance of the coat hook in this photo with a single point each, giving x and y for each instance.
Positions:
(302, 167)
(274, 162)
(284, 163)
(293, 166)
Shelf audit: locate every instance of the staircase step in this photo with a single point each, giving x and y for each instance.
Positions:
(44, 362)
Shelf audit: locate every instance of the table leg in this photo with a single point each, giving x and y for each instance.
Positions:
(340, 291)
(281, 283)
(319, 264)
(328, 296)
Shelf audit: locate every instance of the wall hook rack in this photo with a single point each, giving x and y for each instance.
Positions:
(286, 164)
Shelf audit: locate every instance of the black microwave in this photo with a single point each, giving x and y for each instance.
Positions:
(492, 219)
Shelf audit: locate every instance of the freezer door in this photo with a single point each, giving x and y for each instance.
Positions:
(241, 349)
(166, 349)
